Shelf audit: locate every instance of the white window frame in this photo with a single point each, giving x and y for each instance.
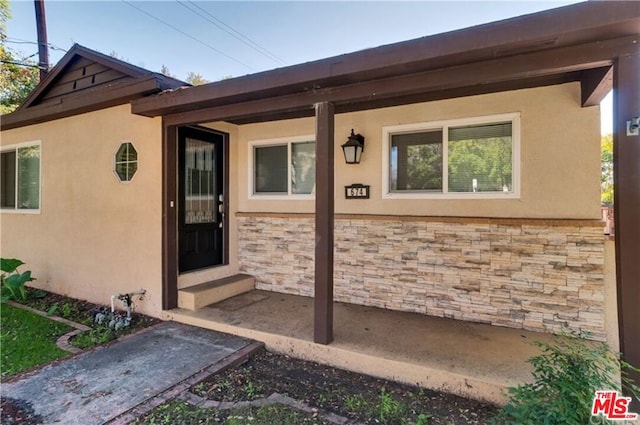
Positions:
(116, 162)
(388, 131)
(279, 196)
(15, 147)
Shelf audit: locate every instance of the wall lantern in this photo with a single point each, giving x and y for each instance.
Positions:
(353, 148)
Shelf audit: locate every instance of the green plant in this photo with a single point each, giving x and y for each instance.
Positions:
(13, 280)
(200, 388)
(252, 390)
(96, 336)
(67, 310)
(566, 374)
(52, 310)
(390, 411)
(355, 403)
(423, 419)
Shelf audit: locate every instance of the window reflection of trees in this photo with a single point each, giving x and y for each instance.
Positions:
(303, 167)
(485, 161)
(479, 159)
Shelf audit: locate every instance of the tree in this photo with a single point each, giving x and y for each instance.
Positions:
(164, 70)
(18, 75)
(606, 168)
(487, 161)
(196, 79)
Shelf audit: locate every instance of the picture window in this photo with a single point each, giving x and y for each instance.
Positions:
(20, 177)
(458, 158)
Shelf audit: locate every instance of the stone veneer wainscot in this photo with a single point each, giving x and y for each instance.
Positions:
(538, 275)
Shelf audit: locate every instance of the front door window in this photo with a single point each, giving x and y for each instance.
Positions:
(200, 182)
(201, 203)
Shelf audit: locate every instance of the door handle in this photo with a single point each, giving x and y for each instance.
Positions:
(221, 209)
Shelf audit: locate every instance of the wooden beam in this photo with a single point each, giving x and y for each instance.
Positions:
(104, 97)
(323, 297)
(419, 97)
(595, 84)
(626, 160)
(169, 217)
(566, 26)
(473, 76)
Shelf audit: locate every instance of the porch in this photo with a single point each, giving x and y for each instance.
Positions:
(592, 47)
(469, 359)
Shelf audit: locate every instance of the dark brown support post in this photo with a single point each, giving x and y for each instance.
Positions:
(43, 45)
(626, 159)
(323, 299)
(169, 217)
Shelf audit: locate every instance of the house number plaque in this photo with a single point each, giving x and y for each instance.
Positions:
(356, 191)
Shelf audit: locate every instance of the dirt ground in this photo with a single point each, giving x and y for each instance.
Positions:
(358, 397)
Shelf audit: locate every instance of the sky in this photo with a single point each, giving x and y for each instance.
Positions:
(219, 39)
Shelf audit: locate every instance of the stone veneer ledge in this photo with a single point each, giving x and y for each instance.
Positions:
(538, 275)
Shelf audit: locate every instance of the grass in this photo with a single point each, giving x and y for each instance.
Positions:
(28, 340)
(180, 412)
(272, 414)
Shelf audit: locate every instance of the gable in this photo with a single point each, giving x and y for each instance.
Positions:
(85, 80)
(79, 76)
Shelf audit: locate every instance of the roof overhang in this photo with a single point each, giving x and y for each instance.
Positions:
(574, 43)
(117, 94)
(115, 83)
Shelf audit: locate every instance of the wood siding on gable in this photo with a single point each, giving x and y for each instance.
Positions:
(81, 74)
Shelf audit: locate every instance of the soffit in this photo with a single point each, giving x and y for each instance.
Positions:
(518, 41)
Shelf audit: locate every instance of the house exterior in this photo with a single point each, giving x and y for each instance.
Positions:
(481, 161)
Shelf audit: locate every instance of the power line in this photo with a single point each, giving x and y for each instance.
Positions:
(20, 64)
(230, 30)
(187, 35)
(20, 41)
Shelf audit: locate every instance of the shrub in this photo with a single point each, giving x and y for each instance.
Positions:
(566, 374)
(12, 280)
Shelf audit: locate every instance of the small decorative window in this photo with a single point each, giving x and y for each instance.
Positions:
(126, 162)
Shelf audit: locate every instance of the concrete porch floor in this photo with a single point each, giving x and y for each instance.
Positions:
(469, 359)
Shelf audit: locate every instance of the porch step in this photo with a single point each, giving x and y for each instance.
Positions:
(204, 294)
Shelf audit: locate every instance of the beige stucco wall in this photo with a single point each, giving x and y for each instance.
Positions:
(560, 161)
(94, 235)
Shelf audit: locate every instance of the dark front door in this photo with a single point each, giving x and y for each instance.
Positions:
(201, 199)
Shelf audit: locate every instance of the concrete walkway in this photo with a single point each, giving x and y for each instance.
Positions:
(100, 385)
